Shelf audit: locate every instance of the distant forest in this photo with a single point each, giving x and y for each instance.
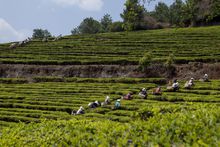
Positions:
(181, 13)
(135, 16)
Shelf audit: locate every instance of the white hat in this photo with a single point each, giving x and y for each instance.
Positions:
(143, 89)
(192, 78)
(107, 97)
(118, 100)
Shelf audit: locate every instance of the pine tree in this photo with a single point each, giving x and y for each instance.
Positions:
(133, 15)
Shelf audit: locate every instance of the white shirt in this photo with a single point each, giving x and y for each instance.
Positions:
(175, 85)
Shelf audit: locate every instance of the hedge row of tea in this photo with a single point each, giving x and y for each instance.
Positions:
(29, 102)
(187, 124)
(185, 117)
(187, 44)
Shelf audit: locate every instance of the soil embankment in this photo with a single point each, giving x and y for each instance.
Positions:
(183, 71)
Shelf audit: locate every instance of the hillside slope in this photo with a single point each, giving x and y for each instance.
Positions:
(36, 110)
(187, 44)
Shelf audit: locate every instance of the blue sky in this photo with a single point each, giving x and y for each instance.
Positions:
(18, 18)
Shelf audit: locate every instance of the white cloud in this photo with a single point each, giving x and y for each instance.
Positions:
(8, 33)
(89, 5)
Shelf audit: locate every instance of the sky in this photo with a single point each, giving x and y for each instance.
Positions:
(18, 18)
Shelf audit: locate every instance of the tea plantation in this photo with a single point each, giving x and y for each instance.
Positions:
(188, 44)
(175, 118)
(37, 112)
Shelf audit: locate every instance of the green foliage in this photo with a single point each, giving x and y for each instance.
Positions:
(145, 61)
(215, 10)
(188, 13)
(161, 12)
(133, 15)
(54, 99)
(75, 31)
(13, 80)
(200, 12)
(170, 66)
(40, 33)
(106, 22)
(170, 60)
(117, 27)
(182, 118)
(88, 26)
(185, 125)
(179, 14)
(176, 13)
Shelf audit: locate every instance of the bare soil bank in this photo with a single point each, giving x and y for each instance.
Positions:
(184, 71)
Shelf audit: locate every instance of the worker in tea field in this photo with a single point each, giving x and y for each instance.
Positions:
(13, 45)
(189, 84)
(157, 91)
(175, 85)
(169, 87)
(172, 87)
(118, 104)
(206, 78)
(143, 93)
(94, 104)
(80, 111)
(107, 101)
(128, 96)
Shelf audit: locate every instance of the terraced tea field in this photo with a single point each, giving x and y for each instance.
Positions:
(196, 109)
(29, 102)
(188, 44)
(36, 111)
